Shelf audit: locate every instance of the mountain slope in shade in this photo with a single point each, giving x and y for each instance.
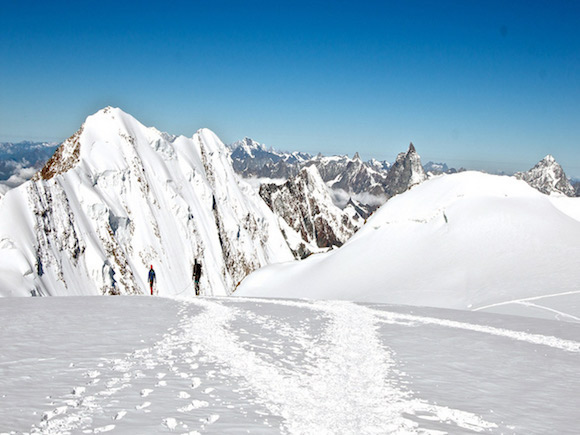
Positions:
(118, 197)
(305, 204)
(457, 241)
(548, 177)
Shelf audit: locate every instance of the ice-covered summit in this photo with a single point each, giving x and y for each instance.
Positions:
(118, 197)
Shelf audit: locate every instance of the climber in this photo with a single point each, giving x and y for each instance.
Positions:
(151, 278)
(196, 276)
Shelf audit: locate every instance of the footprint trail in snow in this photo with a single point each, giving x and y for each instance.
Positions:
(280, 366)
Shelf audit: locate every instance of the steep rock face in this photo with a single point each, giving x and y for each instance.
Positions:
(548, 177)
(405, 173)
(304, 203)
(117, 197)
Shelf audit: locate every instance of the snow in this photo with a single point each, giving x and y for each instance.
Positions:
(123, 197)
(234, 365)
(461, 241)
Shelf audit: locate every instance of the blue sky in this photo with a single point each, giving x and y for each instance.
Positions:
(484, 85)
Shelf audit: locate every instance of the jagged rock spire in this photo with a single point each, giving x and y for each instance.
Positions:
(406, 172)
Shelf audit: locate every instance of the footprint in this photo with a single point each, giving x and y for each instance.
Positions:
(211, 419)
(107, 428)
(195, 404)
(145, 392)
(161, 384)
(195, 383)
(120, 415)
(208, 390)
(199, 404)
(184, 395)
(143, 405)
(56, 411)
(160, 375)
(170, 423)
(78, 391)
(72, 403)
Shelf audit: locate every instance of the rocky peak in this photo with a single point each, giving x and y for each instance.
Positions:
(65, 158)
(406, 172)
(305, 204)
(548, 177)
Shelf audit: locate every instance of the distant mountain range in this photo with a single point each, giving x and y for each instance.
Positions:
(365, 182)
(373, 182)
(118, 197)
(369, 184)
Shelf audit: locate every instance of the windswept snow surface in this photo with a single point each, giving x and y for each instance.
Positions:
(152, 365)
(467, 241)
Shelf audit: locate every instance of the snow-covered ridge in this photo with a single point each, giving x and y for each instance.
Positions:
(463, 241)
(118, 197)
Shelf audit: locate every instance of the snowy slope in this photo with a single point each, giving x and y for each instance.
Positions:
(463, 241)
(118, 197)
(153, 365)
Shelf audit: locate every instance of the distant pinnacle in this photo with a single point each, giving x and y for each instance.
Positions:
(356, 156)
(412, 148)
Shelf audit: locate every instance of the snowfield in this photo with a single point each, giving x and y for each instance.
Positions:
(234, 365)
(463, 241)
